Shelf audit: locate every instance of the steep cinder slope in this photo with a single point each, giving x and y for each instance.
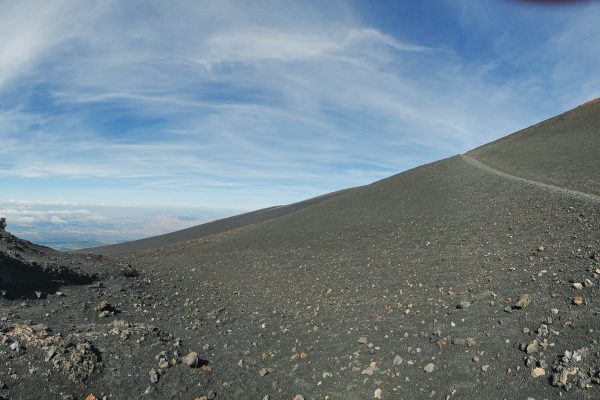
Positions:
(563, 151)
(410, 285)
(425, 267)
(208, 229)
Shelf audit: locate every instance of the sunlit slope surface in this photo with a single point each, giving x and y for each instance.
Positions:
(454, 280)
(208, 229)
(563, 151)
(423, 260)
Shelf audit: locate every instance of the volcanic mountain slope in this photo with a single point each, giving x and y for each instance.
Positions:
(455, 280)
(562, 151)
(208, 229)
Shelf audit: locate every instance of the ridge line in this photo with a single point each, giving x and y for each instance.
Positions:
(545, 186)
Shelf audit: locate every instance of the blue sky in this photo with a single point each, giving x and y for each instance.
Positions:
(225, 106)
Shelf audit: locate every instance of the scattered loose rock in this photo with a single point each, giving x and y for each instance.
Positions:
(537, 372)
(104, 305)
(533, 346)
(463, 304)
(370, 369)
(377, 394)
(153, 374)
(191, 360)
(523, 302)
(398, 360)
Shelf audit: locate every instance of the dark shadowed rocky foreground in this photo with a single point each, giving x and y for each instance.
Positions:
(473, 277)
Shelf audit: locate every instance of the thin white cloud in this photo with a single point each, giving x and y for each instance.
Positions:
(258, 45)
(30, 32)
(237, 104)
(68, 226)
(15, 202)
(57, 220)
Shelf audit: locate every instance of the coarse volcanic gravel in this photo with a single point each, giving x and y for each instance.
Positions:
(448, 281)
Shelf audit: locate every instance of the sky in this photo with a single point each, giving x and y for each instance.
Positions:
(141, 117)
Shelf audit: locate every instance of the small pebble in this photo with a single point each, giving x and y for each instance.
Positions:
(429, 368)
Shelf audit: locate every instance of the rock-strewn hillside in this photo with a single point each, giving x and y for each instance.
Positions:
(448, 281)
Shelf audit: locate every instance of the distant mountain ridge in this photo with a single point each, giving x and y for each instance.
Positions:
(208, 229)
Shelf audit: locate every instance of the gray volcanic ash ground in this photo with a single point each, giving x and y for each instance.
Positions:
(473, 277)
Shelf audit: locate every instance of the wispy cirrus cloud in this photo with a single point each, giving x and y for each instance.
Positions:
(245, 106)
(252, 46)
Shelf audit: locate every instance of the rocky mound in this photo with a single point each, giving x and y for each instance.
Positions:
(21, 278)
(71, 322)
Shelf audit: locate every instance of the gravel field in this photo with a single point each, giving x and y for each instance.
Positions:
(448, 281)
